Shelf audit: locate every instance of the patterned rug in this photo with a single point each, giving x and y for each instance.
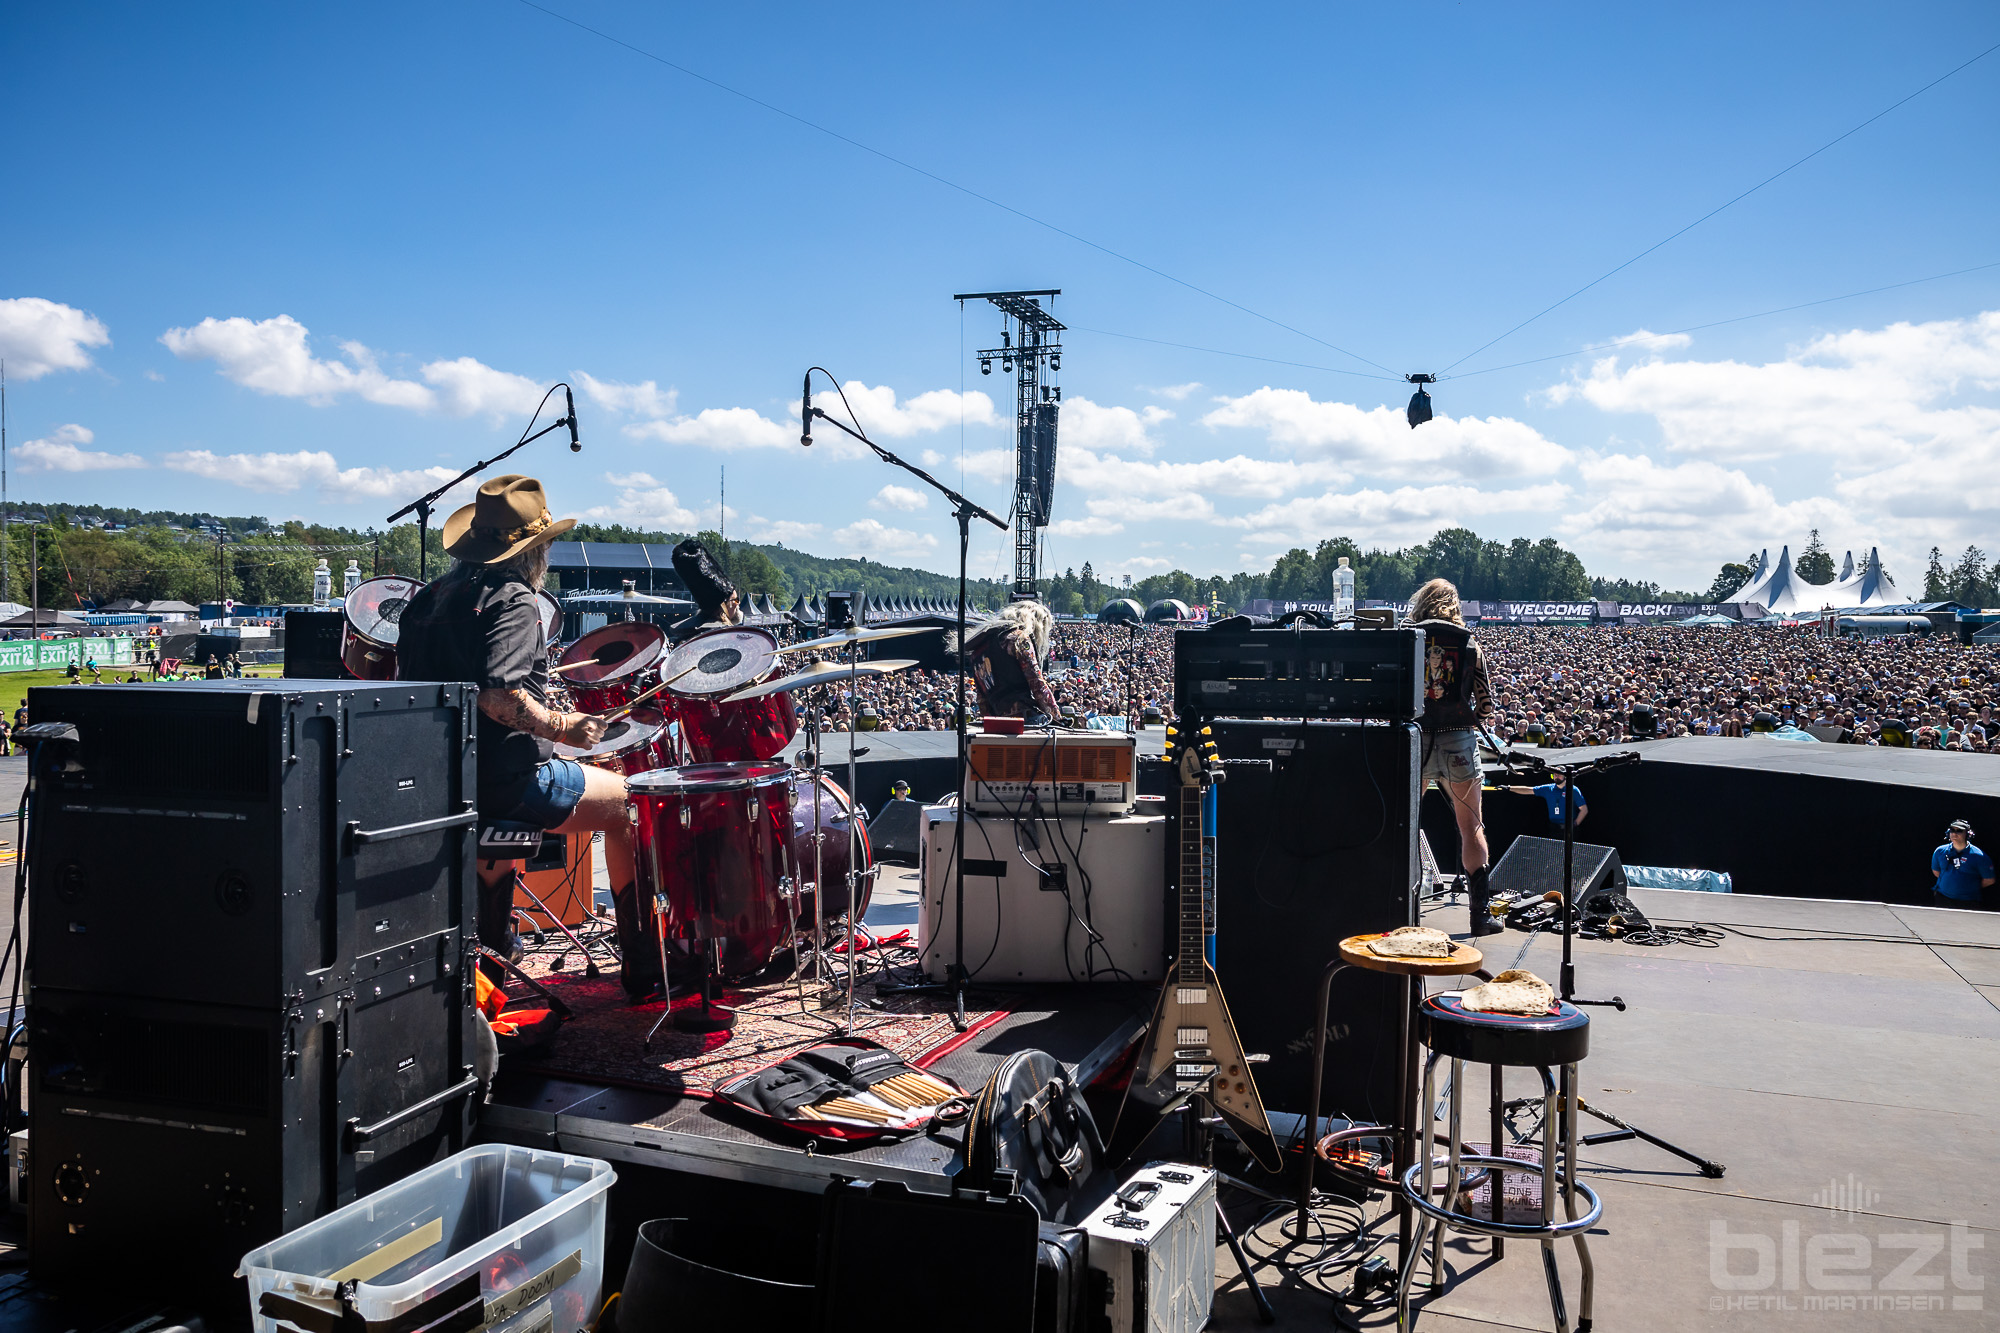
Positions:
(604, 1041)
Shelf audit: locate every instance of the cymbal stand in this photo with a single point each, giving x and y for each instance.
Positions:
(660, 934)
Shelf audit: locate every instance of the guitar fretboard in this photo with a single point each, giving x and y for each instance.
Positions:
(1191, 958)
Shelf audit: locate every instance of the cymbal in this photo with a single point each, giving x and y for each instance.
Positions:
(848, 636)
(623, 598)
(819, 673)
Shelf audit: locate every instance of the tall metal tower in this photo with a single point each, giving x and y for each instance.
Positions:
(1029, 348)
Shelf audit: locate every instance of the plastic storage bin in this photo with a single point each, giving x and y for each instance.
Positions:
(518, 1229)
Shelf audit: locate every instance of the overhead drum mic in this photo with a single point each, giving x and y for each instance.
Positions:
(569, 399)
(806, 412)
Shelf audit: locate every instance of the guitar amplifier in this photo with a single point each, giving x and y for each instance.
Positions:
(1030, 886)
(1154, 1241)
(1294, 672)
(1063, 772)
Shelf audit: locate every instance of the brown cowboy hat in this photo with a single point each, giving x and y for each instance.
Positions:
(508, 515)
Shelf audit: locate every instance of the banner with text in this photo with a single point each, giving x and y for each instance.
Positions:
(55, 654)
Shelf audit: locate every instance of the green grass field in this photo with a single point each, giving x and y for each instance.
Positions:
(14, 685)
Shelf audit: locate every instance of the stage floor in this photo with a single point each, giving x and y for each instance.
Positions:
(1849, 1056)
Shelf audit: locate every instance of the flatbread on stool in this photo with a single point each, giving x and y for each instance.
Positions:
(1412, 942)
(1512, 992)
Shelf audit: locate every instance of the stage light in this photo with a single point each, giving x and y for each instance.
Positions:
(985, 366)
(1007, 366)
(1055, 363)
(1419, 410)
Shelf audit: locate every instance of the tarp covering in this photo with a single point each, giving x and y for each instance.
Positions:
(1120, 610)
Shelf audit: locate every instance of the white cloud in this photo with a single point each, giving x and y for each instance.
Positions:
(1085, 527)
(38, 336)
(283, 473)
(1139, 564)
(783, 531)
(271, 356)
(1378, 442)
(1087, 425)
(718, 428)
(1406, 514)
(880, 414)
(899, 497)
(61, 450)
(870, 537)
(641, 400)
(155, 376)
(1176, 392)
(470, 388)
(644, 503)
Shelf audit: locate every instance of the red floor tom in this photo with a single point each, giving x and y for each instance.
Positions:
(715, 841)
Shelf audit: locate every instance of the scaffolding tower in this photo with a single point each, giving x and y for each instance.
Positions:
(1030, 350)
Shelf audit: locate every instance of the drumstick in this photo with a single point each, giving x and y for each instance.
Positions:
(617, 713)
(575, 666)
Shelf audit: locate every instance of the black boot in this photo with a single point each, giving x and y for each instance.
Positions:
(1481, 897)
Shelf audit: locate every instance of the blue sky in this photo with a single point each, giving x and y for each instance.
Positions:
(281, 260)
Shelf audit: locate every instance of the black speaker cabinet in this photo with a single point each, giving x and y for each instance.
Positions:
(1316, 840)
(170, 1139)
(250, 842)
(312, 645)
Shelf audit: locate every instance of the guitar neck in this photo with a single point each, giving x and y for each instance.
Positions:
(1191, 959)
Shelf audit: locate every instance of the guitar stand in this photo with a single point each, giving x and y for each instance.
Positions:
(1199, 1128)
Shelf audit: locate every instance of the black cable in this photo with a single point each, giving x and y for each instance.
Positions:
(1728, 204)
(946, 182)
(1241, 356)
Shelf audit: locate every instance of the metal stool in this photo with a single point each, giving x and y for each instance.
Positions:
(1460, 1035)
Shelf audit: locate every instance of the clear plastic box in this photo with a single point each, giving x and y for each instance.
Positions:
(528, 1224)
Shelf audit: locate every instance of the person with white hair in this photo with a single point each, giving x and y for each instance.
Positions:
(1458, 700)
(1004, 658)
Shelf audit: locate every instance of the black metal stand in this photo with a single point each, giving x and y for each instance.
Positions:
(708, 1018)
(422, 507)
(1567, 985)
(963, 510)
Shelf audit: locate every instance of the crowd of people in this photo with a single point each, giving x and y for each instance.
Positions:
(1582, 686)
(1576, 686)
(1097, 671)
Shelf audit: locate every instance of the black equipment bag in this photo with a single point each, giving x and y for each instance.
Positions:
(1031, 1119)
(981, 1273)
(1062, 1280)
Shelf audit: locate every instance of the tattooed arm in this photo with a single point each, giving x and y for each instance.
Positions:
(517, 711)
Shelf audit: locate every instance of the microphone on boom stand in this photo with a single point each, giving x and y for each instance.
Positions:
(569, 399)
(806, 412)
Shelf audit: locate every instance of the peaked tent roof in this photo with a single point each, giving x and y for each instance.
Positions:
(1787, 594)
(1760, 577)
(1871, 587)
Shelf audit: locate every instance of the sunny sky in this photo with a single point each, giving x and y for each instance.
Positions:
(300, 261)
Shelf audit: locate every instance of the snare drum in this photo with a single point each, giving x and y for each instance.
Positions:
(632, 744)
(624, 654)
(715, 840)
(374, 614)
(706, 669)
(823, 824)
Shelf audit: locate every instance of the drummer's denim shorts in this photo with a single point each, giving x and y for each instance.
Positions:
(549, 797)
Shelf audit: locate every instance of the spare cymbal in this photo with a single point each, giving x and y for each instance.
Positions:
(819, 673)
(847, 636)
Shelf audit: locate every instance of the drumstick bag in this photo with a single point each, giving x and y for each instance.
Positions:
(777, 1091)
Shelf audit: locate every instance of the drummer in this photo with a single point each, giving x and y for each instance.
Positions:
(482, 622)
(717, 604)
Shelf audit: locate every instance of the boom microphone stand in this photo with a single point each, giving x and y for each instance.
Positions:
(963, 511)
(1567, 985)
(422, 507)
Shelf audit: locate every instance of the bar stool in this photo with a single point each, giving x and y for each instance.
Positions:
(1354, 952)
(1540, 1042)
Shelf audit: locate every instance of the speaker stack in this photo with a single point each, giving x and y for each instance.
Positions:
(251, 916)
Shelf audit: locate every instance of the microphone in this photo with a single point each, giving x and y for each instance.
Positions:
(806, 413)
(575, 445)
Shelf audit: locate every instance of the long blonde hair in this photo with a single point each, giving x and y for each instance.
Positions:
(1437, 600)
(1032, 619)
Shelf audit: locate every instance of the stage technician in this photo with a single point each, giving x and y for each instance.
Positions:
(1963, 872)
(1457, 701)
(482, 623)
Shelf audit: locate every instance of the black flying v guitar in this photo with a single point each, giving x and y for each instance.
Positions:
(1192, 1046)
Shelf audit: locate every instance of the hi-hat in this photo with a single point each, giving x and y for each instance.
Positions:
(820, 673)
(848, 636)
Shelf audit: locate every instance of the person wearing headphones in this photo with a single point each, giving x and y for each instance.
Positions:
(1964, 874)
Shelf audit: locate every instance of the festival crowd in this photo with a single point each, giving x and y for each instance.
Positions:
(1574, 686)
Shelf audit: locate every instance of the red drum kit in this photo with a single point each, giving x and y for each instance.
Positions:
(374, 614)
(731, 848)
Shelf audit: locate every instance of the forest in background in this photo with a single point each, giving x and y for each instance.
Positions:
(196, 557)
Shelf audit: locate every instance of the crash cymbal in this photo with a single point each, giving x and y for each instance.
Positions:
(847, 636)
(819, 673)
(624, 598)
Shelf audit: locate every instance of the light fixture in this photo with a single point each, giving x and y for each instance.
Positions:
(1055, 362)
(985, 366)
(1059, 393)
(1007, 366)
(1419, 410)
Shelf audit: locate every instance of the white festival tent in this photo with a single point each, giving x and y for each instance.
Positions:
(1778, 587)
(1760, 574)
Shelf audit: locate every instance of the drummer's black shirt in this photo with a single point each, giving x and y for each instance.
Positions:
(483, 624)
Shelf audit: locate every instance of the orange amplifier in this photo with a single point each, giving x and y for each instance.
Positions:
(1067, 772)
